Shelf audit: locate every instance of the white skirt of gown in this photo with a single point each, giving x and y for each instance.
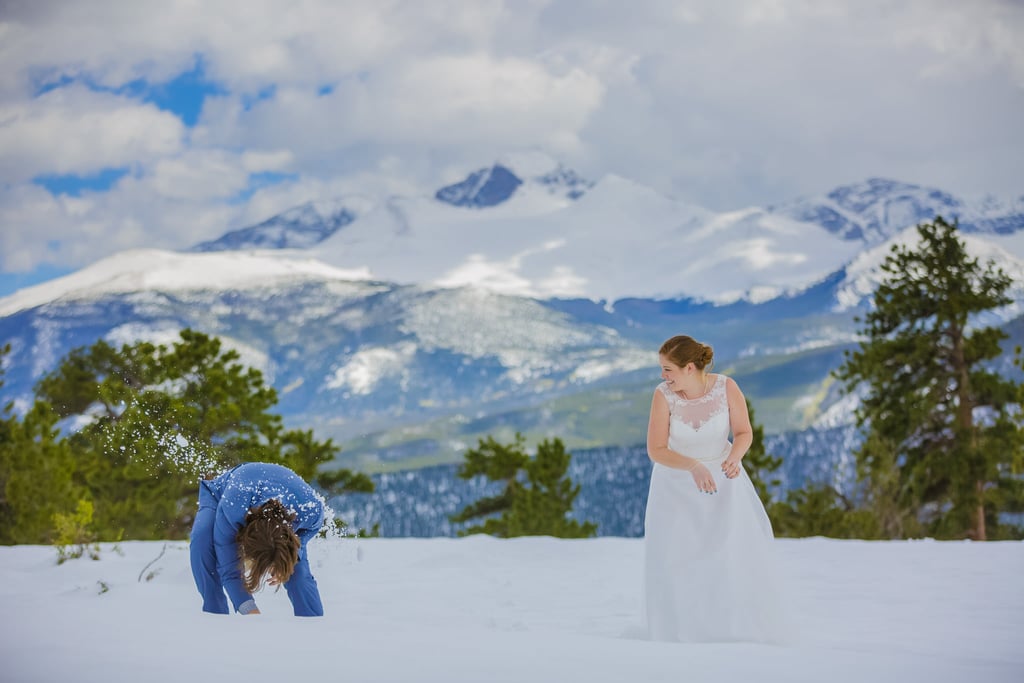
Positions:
(710, 567)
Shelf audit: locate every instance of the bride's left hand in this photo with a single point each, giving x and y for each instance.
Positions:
(731, 468)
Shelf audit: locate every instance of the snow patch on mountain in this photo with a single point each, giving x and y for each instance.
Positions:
(140, 270)
(610, 362)
(368, 367)
(864, 273)
(842, 412)
(501, 325)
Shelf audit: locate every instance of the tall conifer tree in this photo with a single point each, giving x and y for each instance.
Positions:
(943, 447)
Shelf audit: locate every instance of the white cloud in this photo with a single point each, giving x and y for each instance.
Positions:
(75, 130)
(260, 160)
(459, 102)
(199, 175)
(36, 227)
(723, 104)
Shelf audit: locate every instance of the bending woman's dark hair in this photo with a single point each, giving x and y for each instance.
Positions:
(267, 545)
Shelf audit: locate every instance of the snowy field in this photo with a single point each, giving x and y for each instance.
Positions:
(480, 609)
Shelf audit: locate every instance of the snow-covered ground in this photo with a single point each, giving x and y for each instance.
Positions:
(480, 609)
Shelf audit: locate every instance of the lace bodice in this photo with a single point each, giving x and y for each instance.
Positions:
(699, 428)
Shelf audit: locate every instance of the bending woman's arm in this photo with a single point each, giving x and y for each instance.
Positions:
(229, 564)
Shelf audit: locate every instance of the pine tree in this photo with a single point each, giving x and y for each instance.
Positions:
(36, 468)
(155, 419)
(760, 465)
(537, 496)
(943, 447)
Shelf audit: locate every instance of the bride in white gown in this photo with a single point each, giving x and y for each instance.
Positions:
(709, 556)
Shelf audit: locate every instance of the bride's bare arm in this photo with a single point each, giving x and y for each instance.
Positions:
(659, 452)
(739, 425)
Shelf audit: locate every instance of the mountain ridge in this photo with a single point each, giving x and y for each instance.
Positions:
(506, 334)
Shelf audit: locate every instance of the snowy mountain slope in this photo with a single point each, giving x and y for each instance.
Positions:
(528, 226)
(863, 274)
(617, 240)
(347, 357)
(143, 270)
(877, 209)
(297, 228)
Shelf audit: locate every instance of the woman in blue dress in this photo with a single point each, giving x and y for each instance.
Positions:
(252, 527)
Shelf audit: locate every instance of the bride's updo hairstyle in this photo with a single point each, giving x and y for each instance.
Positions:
(683, 350)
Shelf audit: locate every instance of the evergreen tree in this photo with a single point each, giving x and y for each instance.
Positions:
(943, 448)
(537, 496)
(759, 464)
(821, 510)
(36, 469)
(154, 420)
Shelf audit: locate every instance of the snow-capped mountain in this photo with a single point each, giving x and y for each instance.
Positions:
(483, 188)
(528, 226)
(298, 228)
(153, 270)
(522, 298)
(616, 240)
(492, 186)
(877, 209)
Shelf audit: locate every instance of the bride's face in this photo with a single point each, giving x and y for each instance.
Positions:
(672, 373)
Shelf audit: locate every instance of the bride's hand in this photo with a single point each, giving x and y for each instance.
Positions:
(731, 468)
(703, 479)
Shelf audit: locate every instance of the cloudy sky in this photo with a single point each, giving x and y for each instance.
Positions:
(126, 123)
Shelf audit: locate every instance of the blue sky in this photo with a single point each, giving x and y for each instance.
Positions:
(122, 128)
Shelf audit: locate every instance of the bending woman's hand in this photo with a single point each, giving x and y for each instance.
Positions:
(703, 479)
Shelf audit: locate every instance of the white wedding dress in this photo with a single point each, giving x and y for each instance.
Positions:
(709, 558)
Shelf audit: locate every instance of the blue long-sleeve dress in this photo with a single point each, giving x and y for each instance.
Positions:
(223, 504)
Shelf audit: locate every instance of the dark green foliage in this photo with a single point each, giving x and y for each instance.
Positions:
(759, 464)
(820, 510)
(36, 468)
(149, 421)
(943, 449)
(537, 496)
(342, 480)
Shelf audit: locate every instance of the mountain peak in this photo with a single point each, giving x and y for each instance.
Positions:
(860, 197)
(487, 187)
(873, 210)
(300, 227)
(483, 188)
